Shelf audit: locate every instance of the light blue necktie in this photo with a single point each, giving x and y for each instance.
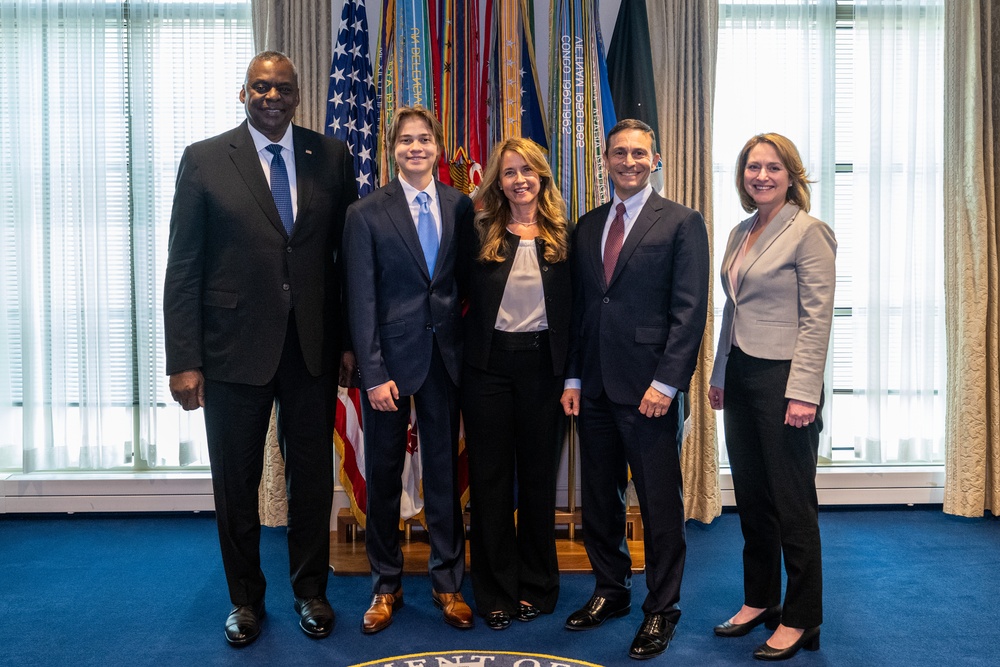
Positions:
(427, 231)
(280, 189)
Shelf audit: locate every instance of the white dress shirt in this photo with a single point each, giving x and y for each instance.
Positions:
(261, 143)
(633, 206)
(411, 193)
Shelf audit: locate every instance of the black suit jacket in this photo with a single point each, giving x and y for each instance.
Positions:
(396, 309)
(233, 274)
(647, 324)
(484, 287)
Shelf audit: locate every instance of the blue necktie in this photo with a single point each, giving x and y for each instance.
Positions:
(280, 189)
(427, 231)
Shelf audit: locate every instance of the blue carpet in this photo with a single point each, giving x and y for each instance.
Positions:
(902, 587)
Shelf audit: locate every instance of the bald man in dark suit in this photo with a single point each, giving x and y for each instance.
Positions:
(252, 310)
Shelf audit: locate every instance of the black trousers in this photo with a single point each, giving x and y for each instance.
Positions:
(236, 421)
(513, 430)
(386, 436)
(774, 477)
(614, 439)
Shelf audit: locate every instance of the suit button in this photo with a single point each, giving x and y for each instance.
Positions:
(545, 268)
(428, 327)
(606, 300)
(288, 249)
(286, 287)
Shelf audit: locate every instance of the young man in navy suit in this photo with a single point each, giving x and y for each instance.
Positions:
(400, 245)
(252, 311)
(641, 276)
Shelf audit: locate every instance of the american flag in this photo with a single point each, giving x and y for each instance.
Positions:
(352, 117)
(351, 109)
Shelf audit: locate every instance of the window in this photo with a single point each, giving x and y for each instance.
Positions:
(101, 99)
(858, 87)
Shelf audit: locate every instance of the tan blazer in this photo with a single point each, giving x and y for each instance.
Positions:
(783, 305)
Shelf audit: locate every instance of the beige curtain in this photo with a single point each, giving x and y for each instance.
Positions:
(684, 37)
(972, 274)
(272, 503)
(301, 29)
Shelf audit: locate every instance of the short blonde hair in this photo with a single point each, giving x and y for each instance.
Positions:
(798, 188)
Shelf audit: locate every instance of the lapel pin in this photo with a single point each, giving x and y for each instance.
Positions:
(308, 152)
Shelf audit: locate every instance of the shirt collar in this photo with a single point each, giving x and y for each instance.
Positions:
(634, 203)
(410, 192)
(261, 142)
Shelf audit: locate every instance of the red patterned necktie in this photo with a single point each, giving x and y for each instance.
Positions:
(613, 244)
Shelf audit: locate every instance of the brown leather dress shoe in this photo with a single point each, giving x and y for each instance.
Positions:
(379, 614)
(456, 612)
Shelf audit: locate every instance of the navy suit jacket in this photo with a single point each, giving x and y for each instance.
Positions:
(396, 309)
(647, 324)
(233, 274)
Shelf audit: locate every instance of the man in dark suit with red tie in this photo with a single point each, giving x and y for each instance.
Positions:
(401, 243)
(641, 272)
(252, 311)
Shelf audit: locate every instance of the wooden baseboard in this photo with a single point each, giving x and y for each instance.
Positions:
(347, 550)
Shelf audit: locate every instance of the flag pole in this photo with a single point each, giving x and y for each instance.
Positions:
(571, 475)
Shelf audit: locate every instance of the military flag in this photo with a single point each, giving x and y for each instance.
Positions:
(407, 48)
(462, 104)
(630, 72)
(580, 106)
(512, 78)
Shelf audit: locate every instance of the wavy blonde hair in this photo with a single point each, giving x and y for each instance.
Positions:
(493, 210)
(798, 188)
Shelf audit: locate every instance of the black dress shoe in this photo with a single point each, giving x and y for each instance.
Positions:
(315, 616)
(527, 612)
(809, 641)
(770, 617)
(596, 611)
(243, 624)
(498, 620)
(653, 637)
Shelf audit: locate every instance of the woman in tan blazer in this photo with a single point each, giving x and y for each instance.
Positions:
(778, 275)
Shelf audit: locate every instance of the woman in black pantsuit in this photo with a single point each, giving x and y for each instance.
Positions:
(516, 336)
(778, 274)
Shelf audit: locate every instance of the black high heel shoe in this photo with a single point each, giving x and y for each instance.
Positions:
(770, 617)
(526, 612)
(809, 641)
(498, 620)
